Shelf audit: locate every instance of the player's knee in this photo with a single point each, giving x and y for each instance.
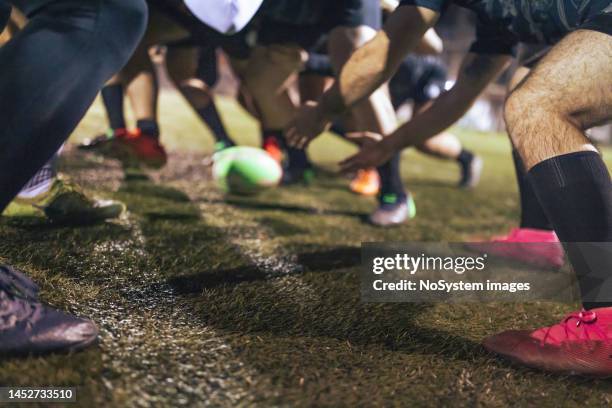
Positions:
(523, 110)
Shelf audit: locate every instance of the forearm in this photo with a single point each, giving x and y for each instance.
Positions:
(442, 114)
(373, 64)
(476, 73)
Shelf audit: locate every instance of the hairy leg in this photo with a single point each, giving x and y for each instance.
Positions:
(568, 92)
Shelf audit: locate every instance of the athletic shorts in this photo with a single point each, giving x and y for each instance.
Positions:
(197, 33)
(528, 55)
(419, 79)
(277, 26)
(601, 21)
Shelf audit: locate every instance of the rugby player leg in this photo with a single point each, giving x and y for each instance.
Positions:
(375, 114)
(568, 92)
(448, 147)
(267, 75)
(194, 72)
(81, 51)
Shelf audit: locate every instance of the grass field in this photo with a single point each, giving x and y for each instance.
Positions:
(204, 301)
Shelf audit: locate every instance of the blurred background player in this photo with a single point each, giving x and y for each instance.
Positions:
(284, 34)
(47, 194)
(418, 80)
(191, 62)
(82, 43)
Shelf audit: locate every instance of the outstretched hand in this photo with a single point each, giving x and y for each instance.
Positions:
(306, 126)
(373, 153)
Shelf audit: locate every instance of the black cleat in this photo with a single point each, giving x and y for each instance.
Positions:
(29, 327)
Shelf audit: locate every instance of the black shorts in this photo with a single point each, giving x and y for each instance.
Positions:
(601, 22)
(529, 55)
(274, 28)
(419, 79)
(201, 35)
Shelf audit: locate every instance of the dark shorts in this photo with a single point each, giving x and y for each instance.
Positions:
(419, 79)
(601, 22)
(339, 13)
(529, 55)
(201, 35)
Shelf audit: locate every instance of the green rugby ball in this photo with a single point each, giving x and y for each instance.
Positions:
(245, 170)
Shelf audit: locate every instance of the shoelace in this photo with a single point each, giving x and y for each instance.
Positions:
(14, 307)
(584, 317)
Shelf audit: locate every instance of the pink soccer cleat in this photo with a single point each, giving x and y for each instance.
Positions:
(581, 345)
(535, 247)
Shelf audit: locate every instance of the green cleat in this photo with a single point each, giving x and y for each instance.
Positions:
(65, 203)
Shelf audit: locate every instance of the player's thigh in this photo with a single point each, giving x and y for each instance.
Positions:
(573, 80)
(181, 62)
(270, 68)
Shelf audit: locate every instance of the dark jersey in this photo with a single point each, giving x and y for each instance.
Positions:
(504, 23)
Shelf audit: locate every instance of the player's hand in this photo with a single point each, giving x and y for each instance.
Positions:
(372, 154)
(307, 125)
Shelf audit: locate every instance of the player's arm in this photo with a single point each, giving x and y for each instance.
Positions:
(431, 43)
(368, 68)
(477, 71)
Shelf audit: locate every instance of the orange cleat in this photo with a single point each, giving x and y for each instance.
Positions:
(366, 182)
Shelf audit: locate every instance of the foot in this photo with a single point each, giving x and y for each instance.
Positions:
(540, 248)
(273, 148)
(580, 344)
(98, 144)
(65, 203)
(366, 182)
(29, 327)
(471, 172)
(18, 281)
(393, 211)
(298, 176)
(133, 149)
(222, 145)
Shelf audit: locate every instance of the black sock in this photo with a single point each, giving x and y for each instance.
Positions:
(296, 158)
(532, 213)
(148, 127)
(391, 186)
(210, 115)
(112, 96)
(465, 158)
(576, 192)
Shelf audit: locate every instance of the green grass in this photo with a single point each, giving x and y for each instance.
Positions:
(207, 301)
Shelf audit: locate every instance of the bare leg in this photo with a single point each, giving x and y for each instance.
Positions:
(547, 115)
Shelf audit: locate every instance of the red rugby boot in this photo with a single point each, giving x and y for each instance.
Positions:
(580, 345)
(136, 148)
